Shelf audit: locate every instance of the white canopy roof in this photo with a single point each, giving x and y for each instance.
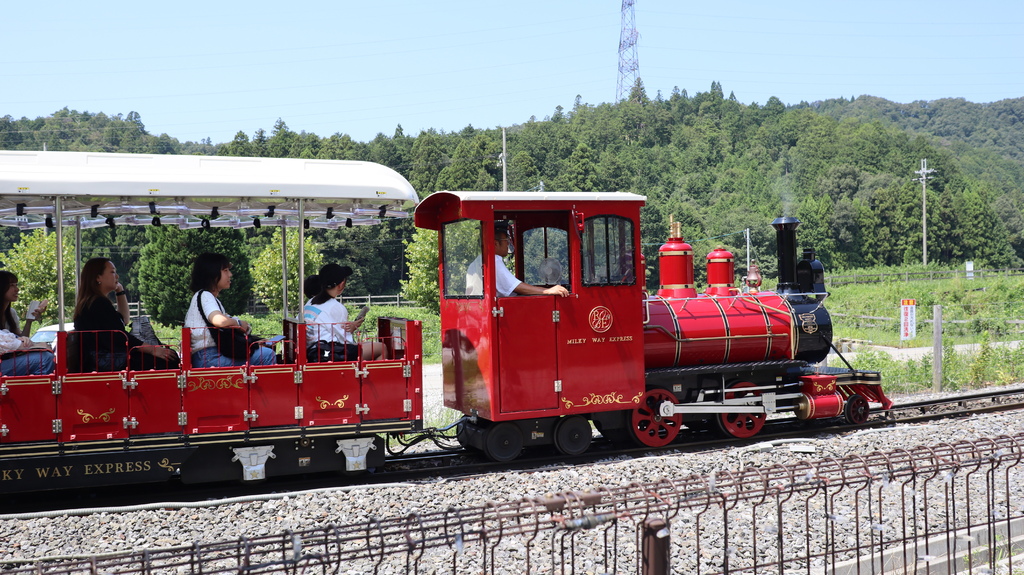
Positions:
(226, 191)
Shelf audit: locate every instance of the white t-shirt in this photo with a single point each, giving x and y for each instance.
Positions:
(506, 282)
(8, 341)
(323, 322)
(201, 337)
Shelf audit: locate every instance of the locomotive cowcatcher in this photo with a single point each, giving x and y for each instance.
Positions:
(538, 369)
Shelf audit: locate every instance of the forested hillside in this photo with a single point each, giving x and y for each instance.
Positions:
(845, 168)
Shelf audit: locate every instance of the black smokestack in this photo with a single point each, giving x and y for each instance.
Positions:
(785, 234)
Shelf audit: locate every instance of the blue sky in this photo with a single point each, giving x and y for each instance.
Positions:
(209, 69)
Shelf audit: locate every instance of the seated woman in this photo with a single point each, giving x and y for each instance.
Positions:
(104, 343)
(211, 274)
(18, 354)
(328, 331)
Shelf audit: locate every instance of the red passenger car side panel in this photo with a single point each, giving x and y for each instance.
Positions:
(273, 395)
(329, 393)
(92, 406)
(27, 409)
(155, 402)
(215, 399)
(385, 389)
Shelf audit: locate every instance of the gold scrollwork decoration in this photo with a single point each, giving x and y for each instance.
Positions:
(636, 398)
(211, 383)
(105, 417)
(595, 399)
(166, 464)
(325, 403)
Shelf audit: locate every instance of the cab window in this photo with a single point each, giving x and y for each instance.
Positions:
(462, 242)
(607, 251)
(546, 256)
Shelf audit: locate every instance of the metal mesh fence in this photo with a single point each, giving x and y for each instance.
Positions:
(940, 509)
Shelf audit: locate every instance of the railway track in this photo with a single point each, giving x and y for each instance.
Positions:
(428, 465)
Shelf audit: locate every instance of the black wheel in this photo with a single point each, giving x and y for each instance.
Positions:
(462, 435)
(856, 410)
(573, 435)
(503, 442)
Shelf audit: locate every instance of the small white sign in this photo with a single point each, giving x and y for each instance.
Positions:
(908, 319)
(970, 270)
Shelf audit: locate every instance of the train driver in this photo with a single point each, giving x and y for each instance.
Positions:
(507, 284)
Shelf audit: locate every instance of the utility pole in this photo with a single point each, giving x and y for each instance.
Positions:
(924, 171)
(629, 66)
(504, 163)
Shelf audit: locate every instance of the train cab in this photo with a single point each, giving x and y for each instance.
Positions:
(532, 369)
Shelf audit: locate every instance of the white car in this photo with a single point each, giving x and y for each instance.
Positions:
(48, 333)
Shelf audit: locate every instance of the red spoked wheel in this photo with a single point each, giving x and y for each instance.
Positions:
(740, 425)
(650, 428)
(856, 410)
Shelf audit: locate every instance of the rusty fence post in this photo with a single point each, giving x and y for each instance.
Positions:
(656, 547)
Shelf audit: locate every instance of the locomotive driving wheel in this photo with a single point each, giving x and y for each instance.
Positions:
(573, 435)
(649, 427)
(856, 410)
(740, 425)
(503, 442)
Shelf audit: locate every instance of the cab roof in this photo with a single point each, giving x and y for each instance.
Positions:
(481, 205)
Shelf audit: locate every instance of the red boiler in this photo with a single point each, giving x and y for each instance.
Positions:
(708, 330)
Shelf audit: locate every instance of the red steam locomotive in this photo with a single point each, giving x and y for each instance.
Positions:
(538, 369)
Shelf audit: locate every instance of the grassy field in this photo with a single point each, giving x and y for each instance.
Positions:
(979, 311)
(973, 311)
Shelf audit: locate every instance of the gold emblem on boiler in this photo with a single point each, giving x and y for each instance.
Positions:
(808, 323)
(600, 319)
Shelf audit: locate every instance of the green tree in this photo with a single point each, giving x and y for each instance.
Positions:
(473, 166)
(422, 285)
(33, 260)
(266, 270)
(165, 269)
(427, 161)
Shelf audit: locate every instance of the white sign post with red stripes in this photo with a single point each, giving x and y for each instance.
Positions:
(908, 319)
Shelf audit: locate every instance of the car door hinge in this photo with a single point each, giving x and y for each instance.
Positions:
(498, 312)
(556, 316)
(558, 386)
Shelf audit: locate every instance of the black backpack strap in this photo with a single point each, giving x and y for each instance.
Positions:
(199, 301)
